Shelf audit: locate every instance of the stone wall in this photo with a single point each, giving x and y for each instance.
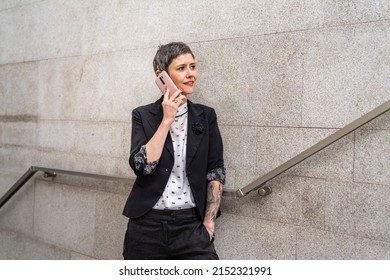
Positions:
(281, 74)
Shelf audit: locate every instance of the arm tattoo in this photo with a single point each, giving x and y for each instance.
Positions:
(213, 201)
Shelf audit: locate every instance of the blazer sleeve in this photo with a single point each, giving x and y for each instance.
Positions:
(138, 139)
(215, 164)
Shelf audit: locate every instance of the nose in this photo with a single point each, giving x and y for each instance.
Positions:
(189, 72)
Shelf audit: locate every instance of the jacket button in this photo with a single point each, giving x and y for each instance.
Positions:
(188, 174)
(166, 170)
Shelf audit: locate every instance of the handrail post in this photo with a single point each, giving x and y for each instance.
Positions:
(22, 180)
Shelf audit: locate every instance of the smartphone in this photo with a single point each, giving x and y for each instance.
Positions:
(163, 80)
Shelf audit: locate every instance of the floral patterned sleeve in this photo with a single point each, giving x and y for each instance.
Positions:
(142, 165)
(217, 174)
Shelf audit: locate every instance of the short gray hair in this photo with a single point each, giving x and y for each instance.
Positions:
(166, 53)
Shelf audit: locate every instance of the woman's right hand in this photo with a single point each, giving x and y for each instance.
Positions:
(171, 104)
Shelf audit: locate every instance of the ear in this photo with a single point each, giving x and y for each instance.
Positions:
(158, 72)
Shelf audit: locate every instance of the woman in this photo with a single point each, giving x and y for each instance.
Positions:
(177, 155)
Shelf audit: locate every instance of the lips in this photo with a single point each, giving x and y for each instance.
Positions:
(190, 83)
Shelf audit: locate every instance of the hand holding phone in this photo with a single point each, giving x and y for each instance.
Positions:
(163, 81)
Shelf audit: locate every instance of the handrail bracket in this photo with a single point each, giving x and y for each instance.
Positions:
(48, 174)
(264, 190)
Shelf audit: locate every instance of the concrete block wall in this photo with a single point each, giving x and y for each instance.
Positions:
(282, 75)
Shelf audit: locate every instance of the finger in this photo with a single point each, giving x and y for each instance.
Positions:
(175, 95)
(181, 99)
(166, 94)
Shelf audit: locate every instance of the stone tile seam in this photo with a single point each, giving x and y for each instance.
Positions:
(366, 183)
(36, 119)
(347, 234)
(66, 186)
(354, 156)
(294, 226)
(15, 119)
(51, 150)
(36, 238)
(344, 234)
(22, 5)
(16, 146)
(303, 30)
(89, 121)
(331, 180)
(7, 118)
(29, 236)
(302, 86)
(297, 227)
(59, 245)
(300, 127)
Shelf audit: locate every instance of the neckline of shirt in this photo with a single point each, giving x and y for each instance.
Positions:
(182, 110)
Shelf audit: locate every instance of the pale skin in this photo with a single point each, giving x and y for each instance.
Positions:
(183, 73)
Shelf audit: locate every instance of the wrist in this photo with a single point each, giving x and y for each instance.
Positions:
(167, 122)
(210, 226)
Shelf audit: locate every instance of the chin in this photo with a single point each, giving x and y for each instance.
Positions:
(189, 91)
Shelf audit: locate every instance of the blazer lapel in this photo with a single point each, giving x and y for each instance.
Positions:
(197, 127)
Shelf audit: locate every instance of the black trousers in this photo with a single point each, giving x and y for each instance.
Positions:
(168, 235)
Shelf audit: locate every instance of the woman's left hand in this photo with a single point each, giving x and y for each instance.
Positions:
(210, 229)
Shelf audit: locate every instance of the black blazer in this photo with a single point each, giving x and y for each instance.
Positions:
(204, 153)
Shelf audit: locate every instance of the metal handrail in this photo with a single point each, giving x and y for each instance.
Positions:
(259, 183)
(51, 172)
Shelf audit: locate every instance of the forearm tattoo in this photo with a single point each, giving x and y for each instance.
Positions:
(214, 194)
